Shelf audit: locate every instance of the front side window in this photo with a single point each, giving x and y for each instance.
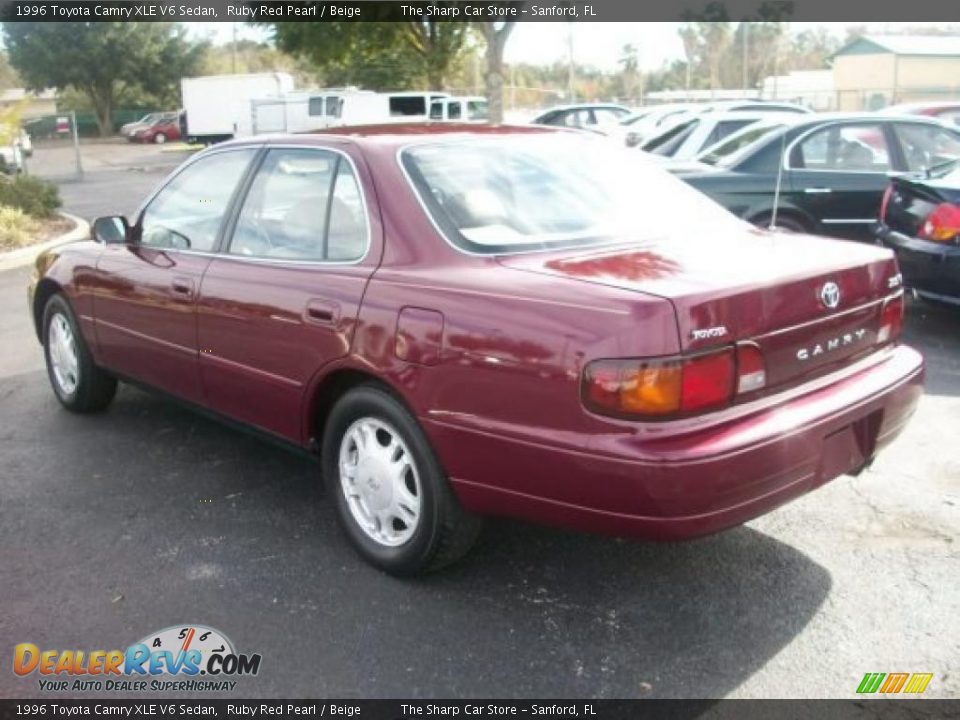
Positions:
(304, 204)
(187, 212)
(926, 146)
(454, 111)
(436, 111)
(843, 148)
(493, 196)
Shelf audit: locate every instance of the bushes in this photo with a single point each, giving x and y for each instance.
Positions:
(16, 228)
(33, 196)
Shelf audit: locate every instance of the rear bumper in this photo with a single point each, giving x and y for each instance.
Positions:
(697, 483)
(927, 267)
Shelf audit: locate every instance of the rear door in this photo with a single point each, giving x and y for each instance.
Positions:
(838, 174)
(282, 299)
(145, 297)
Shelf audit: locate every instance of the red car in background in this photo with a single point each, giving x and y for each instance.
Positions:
(478, 320)
(165, 127)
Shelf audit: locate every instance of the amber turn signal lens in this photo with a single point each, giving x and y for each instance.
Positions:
(660, 387)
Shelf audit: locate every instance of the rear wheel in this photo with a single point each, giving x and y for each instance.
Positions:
(391, 496)
(78, 383)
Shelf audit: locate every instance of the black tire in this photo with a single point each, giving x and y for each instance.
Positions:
(444, 531)
(784, 222)
(94, 389)
(160, 138)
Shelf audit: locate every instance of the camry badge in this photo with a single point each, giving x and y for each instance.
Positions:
(830, 295)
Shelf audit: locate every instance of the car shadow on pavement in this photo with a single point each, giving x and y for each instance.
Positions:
(936, 330)
(149, 516)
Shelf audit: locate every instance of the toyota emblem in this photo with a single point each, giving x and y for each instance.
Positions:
(830, 295)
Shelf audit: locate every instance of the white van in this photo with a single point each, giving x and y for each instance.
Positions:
(332, 107)
(217, 107)
(460, 109)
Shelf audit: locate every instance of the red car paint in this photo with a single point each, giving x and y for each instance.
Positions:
(488, 352)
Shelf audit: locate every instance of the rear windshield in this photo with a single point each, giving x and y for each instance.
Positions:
(522, 193)
(728, 151)
(670, 141)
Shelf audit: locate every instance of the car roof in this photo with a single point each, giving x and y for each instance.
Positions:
(399, 134)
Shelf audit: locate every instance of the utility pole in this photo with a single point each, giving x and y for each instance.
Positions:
(233, 47)
(571, 95)
(746, 55)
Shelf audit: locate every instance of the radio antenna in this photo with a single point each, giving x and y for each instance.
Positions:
(776, 189)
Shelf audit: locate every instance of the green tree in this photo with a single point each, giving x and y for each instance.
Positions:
(377, 55)
(102, 60)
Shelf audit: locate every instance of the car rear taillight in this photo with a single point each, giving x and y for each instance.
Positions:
(659, 387)
(885, 203)
(891, 319)
(943, 224)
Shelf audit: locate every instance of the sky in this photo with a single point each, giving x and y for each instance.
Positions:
(596, 43)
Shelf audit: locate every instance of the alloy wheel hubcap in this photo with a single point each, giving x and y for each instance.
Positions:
(62, 349)
(379, 479)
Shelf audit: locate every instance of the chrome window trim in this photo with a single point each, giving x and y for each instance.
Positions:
(224, 253)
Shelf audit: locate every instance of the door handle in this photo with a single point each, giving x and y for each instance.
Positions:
(322, 312)
(818, 190)
(183, 286)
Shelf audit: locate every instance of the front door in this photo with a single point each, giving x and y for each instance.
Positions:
(146, 291)
(283, 297)
(838, 175)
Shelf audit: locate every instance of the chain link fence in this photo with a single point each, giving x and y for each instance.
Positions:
(51, 147)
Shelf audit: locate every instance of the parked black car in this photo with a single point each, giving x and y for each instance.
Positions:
(920, 221)
(835, 168)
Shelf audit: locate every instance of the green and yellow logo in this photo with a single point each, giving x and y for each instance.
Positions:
(891, 683)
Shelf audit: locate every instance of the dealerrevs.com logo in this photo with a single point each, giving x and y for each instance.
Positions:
(178, 658)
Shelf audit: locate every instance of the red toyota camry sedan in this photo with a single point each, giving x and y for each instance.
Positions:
(464, 321)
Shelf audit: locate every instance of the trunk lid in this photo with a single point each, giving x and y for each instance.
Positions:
(767, 288)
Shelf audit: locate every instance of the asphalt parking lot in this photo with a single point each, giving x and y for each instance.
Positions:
(148, 516)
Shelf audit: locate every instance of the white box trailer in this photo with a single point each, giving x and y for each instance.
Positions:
(307, 110)
(217, 107)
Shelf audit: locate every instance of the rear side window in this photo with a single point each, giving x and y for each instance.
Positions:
(401, 106)
(436, 111)
(454, 111)
(334, 106)
(304, 204)
(187, 212)
(843, 148)
(315, 107)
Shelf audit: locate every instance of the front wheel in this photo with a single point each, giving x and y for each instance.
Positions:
(391, 496)
(159, 138)
(78, 383)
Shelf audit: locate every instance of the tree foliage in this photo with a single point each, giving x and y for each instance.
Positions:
(103, 60)
(377, 55)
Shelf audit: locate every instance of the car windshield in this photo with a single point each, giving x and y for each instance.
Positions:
(727, 152)
(521, 193)
(668, 142)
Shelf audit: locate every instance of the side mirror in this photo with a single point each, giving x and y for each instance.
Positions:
(111, 230)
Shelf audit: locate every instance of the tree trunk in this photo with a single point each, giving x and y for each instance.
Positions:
(496, 41)
(102, 99)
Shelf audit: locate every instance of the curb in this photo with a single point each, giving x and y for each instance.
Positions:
(26, 255)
